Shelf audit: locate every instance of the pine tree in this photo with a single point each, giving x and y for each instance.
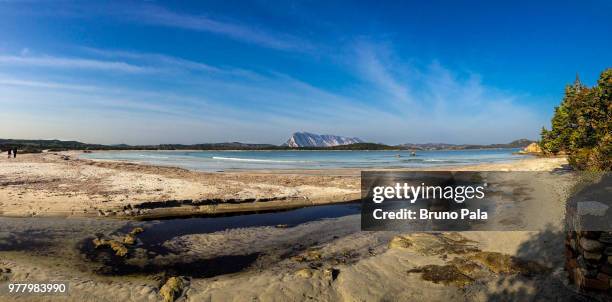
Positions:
(582, 125)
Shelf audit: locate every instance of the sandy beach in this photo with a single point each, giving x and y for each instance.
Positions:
(63, 184)
(320, 260)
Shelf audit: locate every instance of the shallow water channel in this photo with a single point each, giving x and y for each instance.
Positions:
(250, 238)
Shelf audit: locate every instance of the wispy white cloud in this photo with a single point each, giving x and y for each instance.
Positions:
(436, 102)
(241, 32)
(373, 68)
(73, 63)
(9, 81)
(153, 57)
(163, 62)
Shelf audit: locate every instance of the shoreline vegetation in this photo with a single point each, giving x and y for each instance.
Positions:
(582, 125)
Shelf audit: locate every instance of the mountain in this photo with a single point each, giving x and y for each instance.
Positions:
(519, 143)
(305, 139)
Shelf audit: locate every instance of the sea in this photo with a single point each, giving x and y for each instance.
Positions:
(211, 161)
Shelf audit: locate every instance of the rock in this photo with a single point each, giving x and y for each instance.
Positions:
(119, 248)
(606, 239)
(582, 263)
(136, 230)
(591, 256)
(607, 269)
(532, 148)
(304, 273)
(99, 242)
(603, 277)
(590, 245)
(129, 239)
(305, 139)
(172, 289)
(445, 274)
(594, 208)
(597, 284)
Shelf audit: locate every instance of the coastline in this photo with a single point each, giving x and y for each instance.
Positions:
(65, 185)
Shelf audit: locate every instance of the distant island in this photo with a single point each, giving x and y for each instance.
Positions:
(36, 146)
(306, 139)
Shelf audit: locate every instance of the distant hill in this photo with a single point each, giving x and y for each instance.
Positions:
(520, 143)
(26, 145)
(364, 146)
(33, 146)
(305, 139)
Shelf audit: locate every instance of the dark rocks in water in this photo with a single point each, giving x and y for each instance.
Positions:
(129, 239)
(118, 247)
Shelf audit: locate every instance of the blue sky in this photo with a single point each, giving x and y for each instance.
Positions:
(148, 72)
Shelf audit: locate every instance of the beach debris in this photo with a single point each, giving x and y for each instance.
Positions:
(445, 274)
(172, 289)
(305, 273)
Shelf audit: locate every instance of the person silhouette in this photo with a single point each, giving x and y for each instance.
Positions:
(15, 153)
(9, 153)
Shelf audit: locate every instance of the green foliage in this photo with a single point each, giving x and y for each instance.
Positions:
(582, 125)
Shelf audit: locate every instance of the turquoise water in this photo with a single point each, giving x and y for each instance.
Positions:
(228, 160)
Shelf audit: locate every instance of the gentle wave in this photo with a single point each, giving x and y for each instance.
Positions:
(258, 160)
(153, 156)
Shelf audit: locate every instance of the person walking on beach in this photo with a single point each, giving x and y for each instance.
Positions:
(9, 153)
(14, 153)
